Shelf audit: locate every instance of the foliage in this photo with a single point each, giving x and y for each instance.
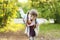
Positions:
(48, 9)
(8, 10)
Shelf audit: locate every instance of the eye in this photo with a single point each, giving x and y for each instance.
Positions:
(31, 15)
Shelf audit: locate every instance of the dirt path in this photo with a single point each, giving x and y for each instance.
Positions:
(21, 36)
(13, 36)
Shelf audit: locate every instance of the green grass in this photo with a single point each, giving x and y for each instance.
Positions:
(48, 27)
(50, 30)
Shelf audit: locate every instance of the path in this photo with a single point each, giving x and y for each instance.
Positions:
(21, 36)
(13, 36)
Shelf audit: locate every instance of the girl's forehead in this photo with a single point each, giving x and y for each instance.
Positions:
(31, 15)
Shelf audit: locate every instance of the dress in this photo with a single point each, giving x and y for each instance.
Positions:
(32, 31)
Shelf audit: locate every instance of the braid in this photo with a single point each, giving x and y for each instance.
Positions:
(27, 18)
(35, 22)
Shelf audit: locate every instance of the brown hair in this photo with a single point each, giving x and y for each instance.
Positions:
(33, 12)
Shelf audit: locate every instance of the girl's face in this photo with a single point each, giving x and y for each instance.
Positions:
(33, 17)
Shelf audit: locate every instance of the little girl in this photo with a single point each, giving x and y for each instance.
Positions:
(30, 19)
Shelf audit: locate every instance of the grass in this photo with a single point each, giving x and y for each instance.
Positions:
(48, 27)
(50, 30)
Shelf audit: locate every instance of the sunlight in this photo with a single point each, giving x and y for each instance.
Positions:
(23, 1)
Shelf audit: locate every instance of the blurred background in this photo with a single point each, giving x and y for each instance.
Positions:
(11, 21)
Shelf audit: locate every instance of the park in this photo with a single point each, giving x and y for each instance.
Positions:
(12, 26)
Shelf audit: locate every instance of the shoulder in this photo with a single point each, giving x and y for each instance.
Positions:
(37, 20)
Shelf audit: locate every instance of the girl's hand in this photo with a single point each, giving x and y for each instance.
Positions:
(29, 22)
(20, 9)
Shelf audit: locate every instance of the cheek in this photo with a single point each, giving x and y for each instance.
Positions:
(31, 17)
(34, 18)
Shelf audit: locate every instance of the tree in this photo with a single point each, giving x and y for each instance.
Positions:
(48, 9)
(8, 10)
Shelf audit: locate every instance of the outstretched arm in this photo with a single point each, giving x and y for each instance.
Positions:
(22, 12)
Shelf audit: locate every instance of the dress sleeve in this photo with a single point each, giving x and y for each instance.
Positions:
(37, 20)
(22, 13)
